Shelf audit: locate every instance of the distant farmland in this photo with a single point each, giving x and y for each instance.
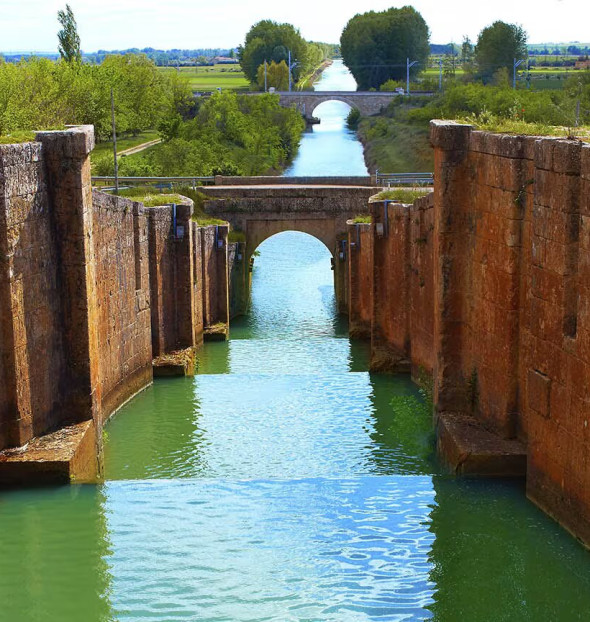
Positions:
(228, 77)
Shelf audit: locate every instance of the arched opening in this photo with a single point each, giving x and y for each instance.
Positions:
(332, 114)
(329, 148)
(292, 287)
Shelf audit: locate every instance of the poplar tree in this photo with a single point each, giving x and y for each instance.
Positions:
(69, 41)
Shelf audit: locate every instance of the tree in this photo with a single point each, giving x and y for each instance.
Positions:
(497, 46)
(269, 41)
(277, 75)
(466, 51)
(375, 46)
(69, 41)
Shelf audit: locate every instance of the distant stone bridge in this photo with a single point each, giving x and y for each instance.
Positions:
(367, 102)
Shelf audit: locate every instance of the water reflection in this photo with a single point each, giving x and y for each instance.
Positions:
(55, 554)
(313, 549)
(158, 434)
(496, 556)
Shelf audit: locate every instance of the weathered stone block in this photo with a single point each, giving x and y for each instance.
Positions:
(450, 136)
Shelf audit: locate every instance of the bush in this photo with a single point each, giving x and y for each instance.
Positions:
(353, 119)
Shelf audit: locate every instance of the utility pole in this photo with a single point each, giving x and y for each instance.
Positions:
(114, 141)
(516, 64)
(440, 71)
(408, 65)
(580, 89)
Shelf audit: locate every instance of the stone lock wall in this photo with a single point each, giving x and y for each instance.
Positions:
(215, 276)
(123, 299)
(91, 287)
(486, 283)
(33, 368)
(511, 267)
(360, 279)
(176, 289)
(395, 264)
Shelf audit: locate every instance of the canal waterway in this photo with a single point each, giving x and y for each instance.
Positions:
(284, 483)
(330, 148)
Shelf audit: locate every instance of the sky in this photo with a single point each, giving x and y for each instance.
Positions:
(31, 25)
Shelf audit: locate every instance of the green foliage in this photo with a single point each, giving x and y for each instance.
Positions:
(17, 137)
(236, 236)
(231, 135)
(151, 200)
(38, 94)
(362, 219)
(353, 119)
(391, 85)
(394, 143)
(271, 42)
(476, 101)
(402, 195)
(277, 75)
(375, 45)
(69, 41)
(497, 47)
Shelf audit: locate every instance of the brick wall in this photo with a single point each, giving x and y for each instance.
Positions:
(486, 283)
(360, 276)
(238, 279)
(123, 292)
(401, 278)
(33, 371)
(511, 311)
(175, 278)
(214, 250)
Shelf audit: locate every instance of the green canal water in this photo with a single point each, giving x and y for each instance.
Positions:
(283, 483)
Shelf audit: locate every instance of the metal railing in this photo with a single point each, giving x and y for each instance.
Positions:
(404, 179)
(168, 183)
(161, 183)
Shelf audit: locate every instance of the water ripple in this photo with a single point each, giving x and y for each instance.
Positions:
(271, 550)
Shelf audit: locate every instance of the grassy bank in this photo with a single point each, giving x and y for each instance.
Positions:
(392, 144)
(307, 82)
(398, 140)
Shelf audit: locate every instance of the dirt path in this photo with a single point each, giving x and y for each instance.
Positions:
(139, 148)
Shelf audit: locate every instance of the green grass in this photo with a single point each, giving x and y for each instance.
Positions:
(228, 77)
(17, 137)
(237, 236)
(149, 199)
(396, 147)
(402, 195)
(106, 147)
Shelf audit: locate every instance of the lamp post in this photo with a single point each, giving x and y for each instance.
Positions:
(408, 65)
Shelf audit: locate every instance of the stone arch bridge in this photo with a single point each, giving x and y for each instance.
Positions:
(367, 102)
(263, 211)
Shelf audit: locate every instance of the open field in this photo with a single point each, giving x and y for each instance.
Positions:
(228, 77)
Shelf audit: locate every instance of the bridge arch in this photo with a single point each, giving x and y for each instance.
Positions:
(367, 103)
(333, 98)
(260, 231)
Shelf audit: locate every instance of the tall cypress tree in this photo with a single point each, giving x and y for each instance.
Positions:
(69, 41)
